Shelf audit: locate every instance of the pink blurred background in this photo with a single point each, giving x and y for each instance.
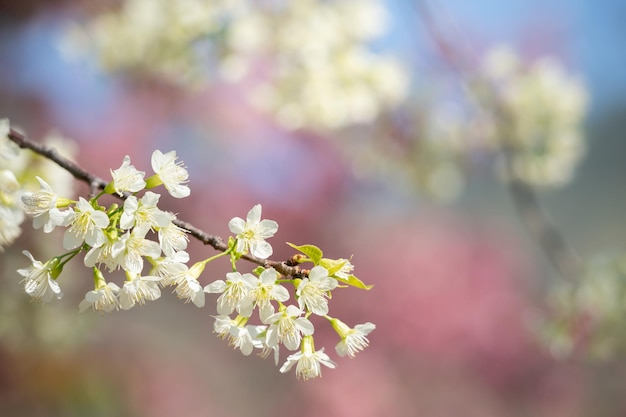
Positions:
(457, 287)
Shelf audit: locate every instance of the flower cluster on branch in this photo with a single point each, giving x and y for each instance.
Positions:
(149, 245)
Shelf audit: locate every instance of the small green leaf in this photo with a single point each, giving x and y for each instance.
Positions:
(313, 252)
(333, 265)
(355, 282)
(258, 270)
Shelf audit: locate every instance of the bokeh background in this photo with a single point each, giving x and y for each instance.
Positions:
(459, 284)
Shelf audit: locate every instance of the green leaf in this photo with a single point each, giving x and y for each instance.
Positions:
(313, 252)
(333, 265)
(258, 270)
(355, 282)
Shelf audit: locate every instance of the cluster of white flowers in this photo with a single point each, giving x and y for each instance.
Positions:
(286, 324)
(169, 38)
(18, 170)
(533, 110)
(587, 315)
(545, 107)
(430, 157)
(118, 238)
(113, 237)
(324, 74)
(11, 214)
(306, 64)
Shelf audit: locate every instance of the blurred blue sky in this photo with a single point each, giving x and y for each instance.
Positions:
(587, 34)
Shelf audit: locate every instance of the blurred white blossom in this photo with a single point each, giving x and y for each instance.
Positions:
(8, 149)
(545, 109)
(593, 306)
(311, 68)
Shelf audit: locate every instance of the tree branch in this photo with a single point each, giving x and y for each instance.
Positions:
(562, 257)
(94, 182)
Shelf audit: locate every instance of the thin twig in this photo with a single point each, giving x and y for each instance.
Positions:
(96, 183)
(563, 258)
(557, 250)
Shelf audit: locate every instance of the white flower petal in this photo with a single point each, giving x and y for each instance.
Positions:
(254, 215)
(261, 249)
(236, 225)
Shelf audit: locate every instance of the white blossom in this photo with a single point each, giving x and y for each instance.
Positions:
(346, 269)
(143, 213)
(8, 149)
(139, 289)
(38, 281)
(11, 214)
(187, 286)
(222, 325)
(107, 253)
(312, 291)
(235, 293)
(172, 174)
(39, 202)
(240, 336)
(246, 338)
(287, 327)
(42, 205)
(103, 299)
(172, 238)
(8, 182)
(86, 224)
(126, 178)
(265, 290)
(189, 289)
(323, 73)
(352, 340)
(308, 361)
(252, 232)
(546, 108)
(168, 267)
(131, 249)
(10, 220)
